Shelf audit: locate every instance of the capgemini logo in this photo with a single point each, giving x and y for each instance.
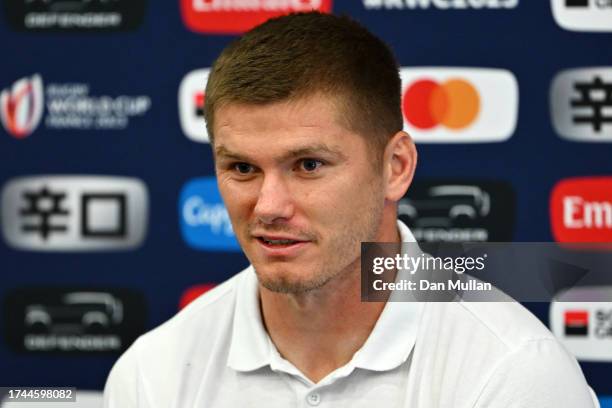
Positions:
(21, 108)
(205, 223)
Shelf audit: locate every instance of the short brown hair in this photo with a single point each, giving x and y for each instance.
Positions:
(301, 54)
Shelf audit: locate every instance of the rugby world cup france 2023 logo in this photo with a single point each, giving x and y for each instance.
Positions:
(21, 106)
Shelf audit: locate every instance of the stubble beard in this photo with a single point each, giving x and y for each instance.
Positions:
(344, 255)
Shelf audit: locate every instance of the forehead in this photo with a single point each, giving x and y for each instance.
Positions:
(313, 119)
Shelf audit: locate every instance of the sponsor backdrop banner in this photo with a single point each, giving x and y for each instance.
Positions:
(110, 215)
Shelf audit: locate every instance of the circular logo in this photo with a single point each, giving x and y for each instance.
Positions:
(454, 104)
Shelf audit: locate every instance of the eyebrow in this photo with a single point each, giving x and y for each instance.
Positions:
(224, 153)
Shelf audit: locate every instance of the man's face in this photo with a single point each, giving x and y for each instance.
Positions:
(300, 190)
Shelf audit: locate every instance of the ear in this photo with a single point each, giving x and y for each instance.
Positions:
(400, 163)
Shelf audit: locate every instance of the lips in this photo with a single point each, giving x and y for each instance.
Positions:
(278, 241)
(283, 246)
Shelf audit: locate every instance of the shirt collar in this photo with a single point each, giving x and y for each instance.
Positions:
(389, 344)
(395, 332)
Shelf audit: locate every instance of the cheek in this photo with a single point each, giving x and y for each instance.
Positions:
(356, 201)
(237, 201)
(332, 204)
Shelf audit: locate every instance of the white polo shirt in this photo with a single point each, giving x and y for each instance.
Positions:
(217, 353)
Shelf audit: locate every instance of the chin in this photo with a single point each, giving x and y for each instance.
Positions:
(282, 280)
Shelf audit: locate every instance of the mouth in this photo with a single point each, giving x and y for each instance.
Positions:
(278, 242)
(277, 246)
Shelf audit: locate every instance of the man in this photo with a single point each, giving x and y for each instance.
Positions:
(304, 118)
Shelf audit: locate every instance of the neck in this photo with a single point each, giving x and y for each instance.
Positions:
(320, 331)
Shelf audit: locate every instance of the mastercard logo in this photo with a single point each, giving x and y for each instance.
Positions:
(454, 103)
(459, 105)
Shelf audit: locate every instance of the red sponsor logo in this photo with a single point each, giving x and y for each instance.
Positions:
(581, 210)
(576, 318)
(193, 292)
(198, 100)
(576, 323)
(238, 16)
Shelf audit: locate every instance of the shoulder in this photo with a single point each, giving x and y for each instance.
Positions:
(480, 334)
(505, 326)
(536, 371)
(508, 323)
(200, 331)
(504, 353)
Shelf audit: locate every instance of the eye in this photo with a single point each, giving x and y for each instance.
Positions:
(310, 165)
(242, 168)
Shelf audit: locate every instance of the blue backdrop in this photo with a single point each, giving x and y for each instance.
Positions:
(146, 61)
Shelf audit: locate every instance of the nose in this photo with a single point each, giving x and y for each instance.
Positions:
(274, 202)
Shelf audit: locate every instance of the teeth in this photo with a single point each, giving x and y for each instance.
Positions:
(278, 241)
